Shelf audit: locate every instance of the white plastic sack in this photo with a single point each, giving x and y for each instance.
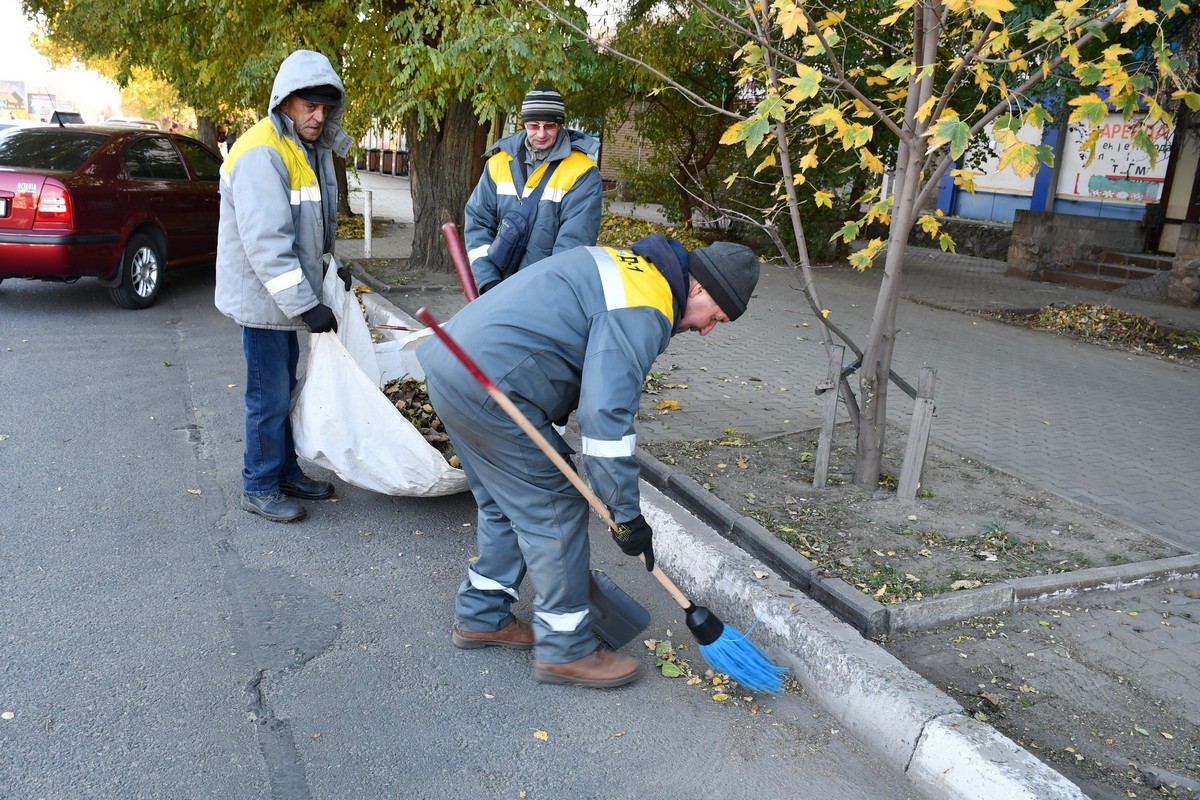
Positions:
(341, 418)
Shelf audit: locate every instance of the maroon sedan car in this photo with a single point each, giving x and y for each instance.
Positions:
(115, 203)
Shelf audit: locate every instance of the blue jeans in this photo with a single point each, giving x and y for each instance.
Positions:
(271, 359)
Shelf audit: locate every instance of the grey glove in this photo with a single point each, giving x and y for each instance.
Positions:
(635, 538)
(320, 319)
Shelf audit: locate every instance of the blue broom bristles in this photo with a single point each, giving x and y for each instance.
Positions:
(731, 651)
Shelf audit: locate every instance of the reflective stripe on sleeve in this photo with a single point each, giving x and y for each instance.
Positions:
(610, 448)
(488, 585)
(285, 281)
(554, 195)
(563, 623)
(476, 253)
(506, 188)
(309, 194)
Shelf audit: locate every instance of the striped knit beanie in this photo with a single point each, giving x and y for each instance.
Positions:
(543, 104)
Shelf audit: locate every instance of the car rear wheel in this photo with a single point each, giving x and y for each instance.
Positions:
(141, 273)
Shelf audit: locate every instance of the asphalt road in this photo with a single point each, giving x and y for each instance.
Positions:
(158, 642)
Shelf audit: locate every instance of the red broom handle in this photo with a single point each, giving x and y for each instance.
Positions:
(518, 417)
(458, 255)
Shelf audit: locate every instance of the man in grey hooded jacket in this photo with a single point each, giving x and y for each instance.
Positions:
(277, 230)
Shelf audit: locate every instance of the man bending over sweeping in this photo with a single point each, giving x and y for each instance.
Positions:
(578, 331)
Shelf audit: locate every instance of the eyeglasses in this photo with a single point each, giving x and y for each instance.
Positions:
(548, 127)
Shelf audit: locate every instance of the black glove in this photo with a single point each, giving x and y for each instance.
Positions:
(344, 274)
(635, 539)
(492, 285)
(320, 319)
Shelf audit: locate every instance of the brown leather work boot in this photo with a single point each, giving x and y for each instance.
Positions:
(516, 635)
(600, 669)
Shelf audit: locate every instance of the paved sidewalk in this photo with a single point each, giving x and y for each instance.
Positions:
(1112, 430)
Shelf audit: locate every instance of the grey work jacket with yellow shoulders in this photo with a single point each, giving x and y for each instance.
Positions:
(568, 213)
(278, 213)
(602, 317)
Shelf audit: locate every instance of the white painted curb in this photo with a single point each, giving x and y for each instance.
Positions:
(908, 722)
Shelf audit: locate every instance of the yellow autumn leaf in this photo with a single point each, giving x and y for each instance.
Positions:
(825, 313)
(992, 9)
(543, 735)
(870, 161)
(667, 405)
(732, 133)
(823, 198)
(720, 697)
(769, 161)
(809, 160)
(791, 18)
(926, 108)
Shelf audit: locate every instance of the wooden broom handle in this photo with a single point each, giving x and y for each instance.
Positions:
(547, 449)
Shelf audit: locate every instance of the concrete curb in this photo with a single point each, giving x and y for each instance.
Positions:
(381, 288)
(905, 720)
(875, 620)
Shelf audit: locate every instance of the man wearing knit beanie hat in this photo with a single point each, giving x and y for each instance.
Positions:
(540, 193)
(728, 272)
(603, 316)
(543, 104)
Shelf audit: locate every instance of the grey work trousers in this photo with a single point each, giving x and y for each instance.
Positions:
(530, 519)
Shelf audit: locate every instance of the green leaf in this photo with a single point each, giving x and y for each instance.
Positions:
(1089, 108)
(848, 232)
(669, 670)
(807, 82)
(901, 69)
(1022, 157)
(951, 130)
(772, 107)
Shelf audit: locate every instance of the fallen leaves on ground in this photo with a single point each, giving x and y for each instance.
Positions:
(1103, 323)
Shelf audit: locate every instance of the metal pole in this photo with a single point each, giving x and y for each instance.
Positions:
(367, 214)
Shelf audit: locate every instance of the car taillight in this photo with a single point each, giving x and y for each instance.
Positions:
(54, 206)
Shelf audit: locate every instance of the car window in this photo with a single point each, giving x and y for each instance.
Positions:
(154, 158)
(206, 166)
(48, 148)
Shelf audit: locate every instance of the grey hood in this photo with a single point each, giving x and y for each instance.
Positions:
(302, 69)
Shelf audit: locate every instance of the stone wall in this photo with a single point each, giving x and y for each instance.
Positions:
(1184, 288)
(972, 237)
(1044, 241)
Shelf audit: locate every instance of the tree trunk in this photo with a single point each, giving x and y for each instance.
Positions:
(444, 164)
(343, 187)
(877, 352)
(206, 131)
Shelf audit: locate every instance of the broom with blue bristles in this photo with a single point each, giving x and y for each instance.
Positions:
(724, 648)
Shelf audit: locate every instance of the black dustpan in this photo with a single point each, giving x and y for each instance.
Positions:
(616, 617)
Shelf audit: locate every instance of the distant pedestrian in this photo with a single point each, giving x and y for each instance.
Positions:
(568, 212)
(277, 229)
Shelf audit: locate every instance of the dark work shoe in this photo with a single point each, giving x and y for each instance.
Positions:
(274, 507)
(516, 635)
(308, 489)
